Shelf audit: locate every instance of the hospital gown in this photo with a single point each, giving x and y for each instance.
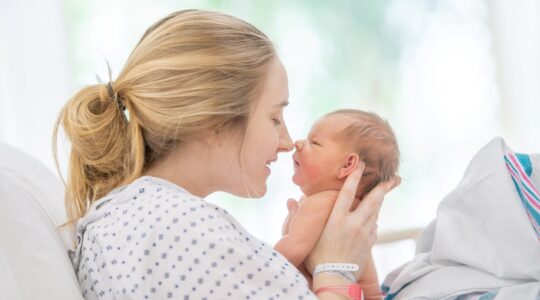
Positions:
(152, 239)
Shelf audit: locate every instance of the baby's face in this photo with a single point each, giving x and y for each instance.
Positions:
(318, 158)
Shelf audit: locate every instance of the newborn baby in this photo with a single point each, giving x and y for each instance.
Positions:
(335, 146)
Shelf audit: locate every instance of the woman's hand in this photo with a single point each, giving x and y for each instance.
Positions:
(349, 235)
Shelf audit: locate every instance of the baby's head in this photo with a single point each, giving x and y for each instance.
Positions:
(337, 143)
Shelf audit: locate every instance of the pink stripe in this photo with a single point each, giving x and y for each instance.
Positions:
(525, 193)
(525, 178)
(529, 198)
(522, 172)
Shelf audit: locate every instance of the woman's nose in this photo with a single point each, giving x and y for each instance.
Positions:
(286, 144)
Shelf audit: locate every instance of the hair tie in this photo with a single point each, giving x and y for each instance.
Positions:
(119, 102)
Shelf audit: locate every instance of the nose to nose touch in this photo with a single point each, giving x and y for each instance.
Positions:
(298, 145)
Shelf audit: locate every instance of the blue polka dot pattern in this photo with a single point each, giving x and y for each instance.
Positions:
(154, 240)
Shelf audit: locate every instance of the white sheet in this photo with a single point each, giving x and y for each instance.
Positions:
(481, 239)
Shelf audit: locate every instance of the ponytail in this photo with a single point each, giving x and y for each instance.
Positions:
(107, 149)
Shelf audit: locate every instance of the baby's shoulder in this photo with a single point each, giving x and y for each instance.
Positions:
(320, 201)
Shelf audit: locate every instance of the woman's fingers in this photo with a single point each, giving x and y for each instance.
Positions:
(372, 220)
(348, 191)
(371, 204)
(395, 182)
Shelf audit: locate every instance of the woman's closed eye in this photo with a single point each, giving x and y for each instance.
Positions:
(276, 121)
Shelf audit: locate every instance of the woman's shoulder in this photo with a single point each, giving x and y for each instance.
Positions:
(156, 204)
(179, 241)
(150, 204)
(160, 200)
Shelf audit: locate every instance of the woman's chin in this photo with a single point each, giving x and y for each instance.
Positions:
(257, 191)
(260, 192)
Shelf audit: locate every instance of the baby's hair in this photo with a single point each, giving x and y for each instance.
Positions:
(192, 72)
(374, 141)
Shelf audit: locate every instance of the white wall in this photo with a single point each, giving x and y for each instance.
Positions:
(34, 74)
(516, 35)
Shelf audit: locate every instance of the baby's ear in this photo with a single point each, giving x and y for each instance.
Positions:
(348, 165)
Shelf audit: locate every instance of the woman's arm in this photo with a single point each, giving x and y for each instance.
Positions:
(368, 281)
(325, 279)
(348, 236)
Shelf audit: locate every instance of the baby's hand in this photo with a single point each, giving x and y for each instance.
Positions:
(292, 206)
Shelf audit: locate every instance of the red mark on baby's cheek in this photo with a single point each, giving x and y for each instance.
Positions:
(312, 171)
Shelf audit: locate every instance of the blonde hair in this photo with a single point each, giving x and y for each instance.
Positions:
(191, 72)
(374, 141)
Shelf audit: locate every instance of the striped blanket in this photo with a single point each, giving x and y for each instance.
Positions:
(485, 242)
(520, 168)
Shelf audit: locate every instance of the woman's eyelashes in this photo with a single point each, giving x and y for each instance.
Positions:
(277, 121)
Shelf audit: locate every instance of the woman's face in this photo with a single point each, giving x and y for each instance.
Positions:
(266, 134)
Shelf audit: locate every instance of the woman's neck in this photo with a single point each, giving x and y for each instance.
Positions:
(189, 167)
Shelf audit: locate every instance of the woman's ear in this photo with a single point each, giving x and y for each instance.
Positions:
(349, 164)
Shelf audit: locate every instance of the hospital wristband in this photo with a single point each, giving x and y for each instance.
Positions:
(345, 269)
(347, 275)
(353, 290)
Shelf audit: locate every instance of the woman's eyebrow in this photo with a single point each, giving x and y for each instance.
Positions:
(282, 104)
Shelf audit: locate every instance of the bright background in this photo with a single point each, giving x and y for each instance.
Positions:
(449, 75)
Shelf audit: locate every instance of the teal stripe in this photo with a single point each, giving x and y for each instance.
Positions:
(489, 295)
(528, 206)
(392, 296)
(525, 162)
(531, 192)
(509, 163)
(521, 187)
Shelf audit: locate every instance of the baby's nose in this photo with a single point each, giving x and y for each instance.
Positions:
(298, 145)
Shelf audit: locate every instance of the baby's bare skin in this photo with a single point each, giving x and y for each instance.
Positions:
(322, 162)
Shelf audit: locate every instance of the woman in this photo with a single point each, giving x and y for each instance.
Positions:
(198, 108)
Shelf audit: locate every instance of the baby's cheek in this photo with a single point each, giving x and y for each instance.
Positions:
(312, 171)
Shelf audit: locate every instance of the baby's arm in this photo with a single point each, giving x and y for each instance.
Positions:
(292, 207)
(304, 229)
(369, 281)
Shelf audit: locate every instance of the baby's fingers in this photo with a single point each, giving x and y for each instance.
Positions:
(292, 205)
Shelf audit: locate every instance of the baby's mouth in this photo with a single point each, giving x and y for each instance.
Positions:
(296, 164)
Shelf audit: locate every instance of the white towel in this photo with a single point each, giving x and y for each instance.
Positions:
(481, 240)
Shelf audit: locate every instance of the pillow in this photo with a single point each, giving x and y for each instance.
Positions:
(33, 250)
